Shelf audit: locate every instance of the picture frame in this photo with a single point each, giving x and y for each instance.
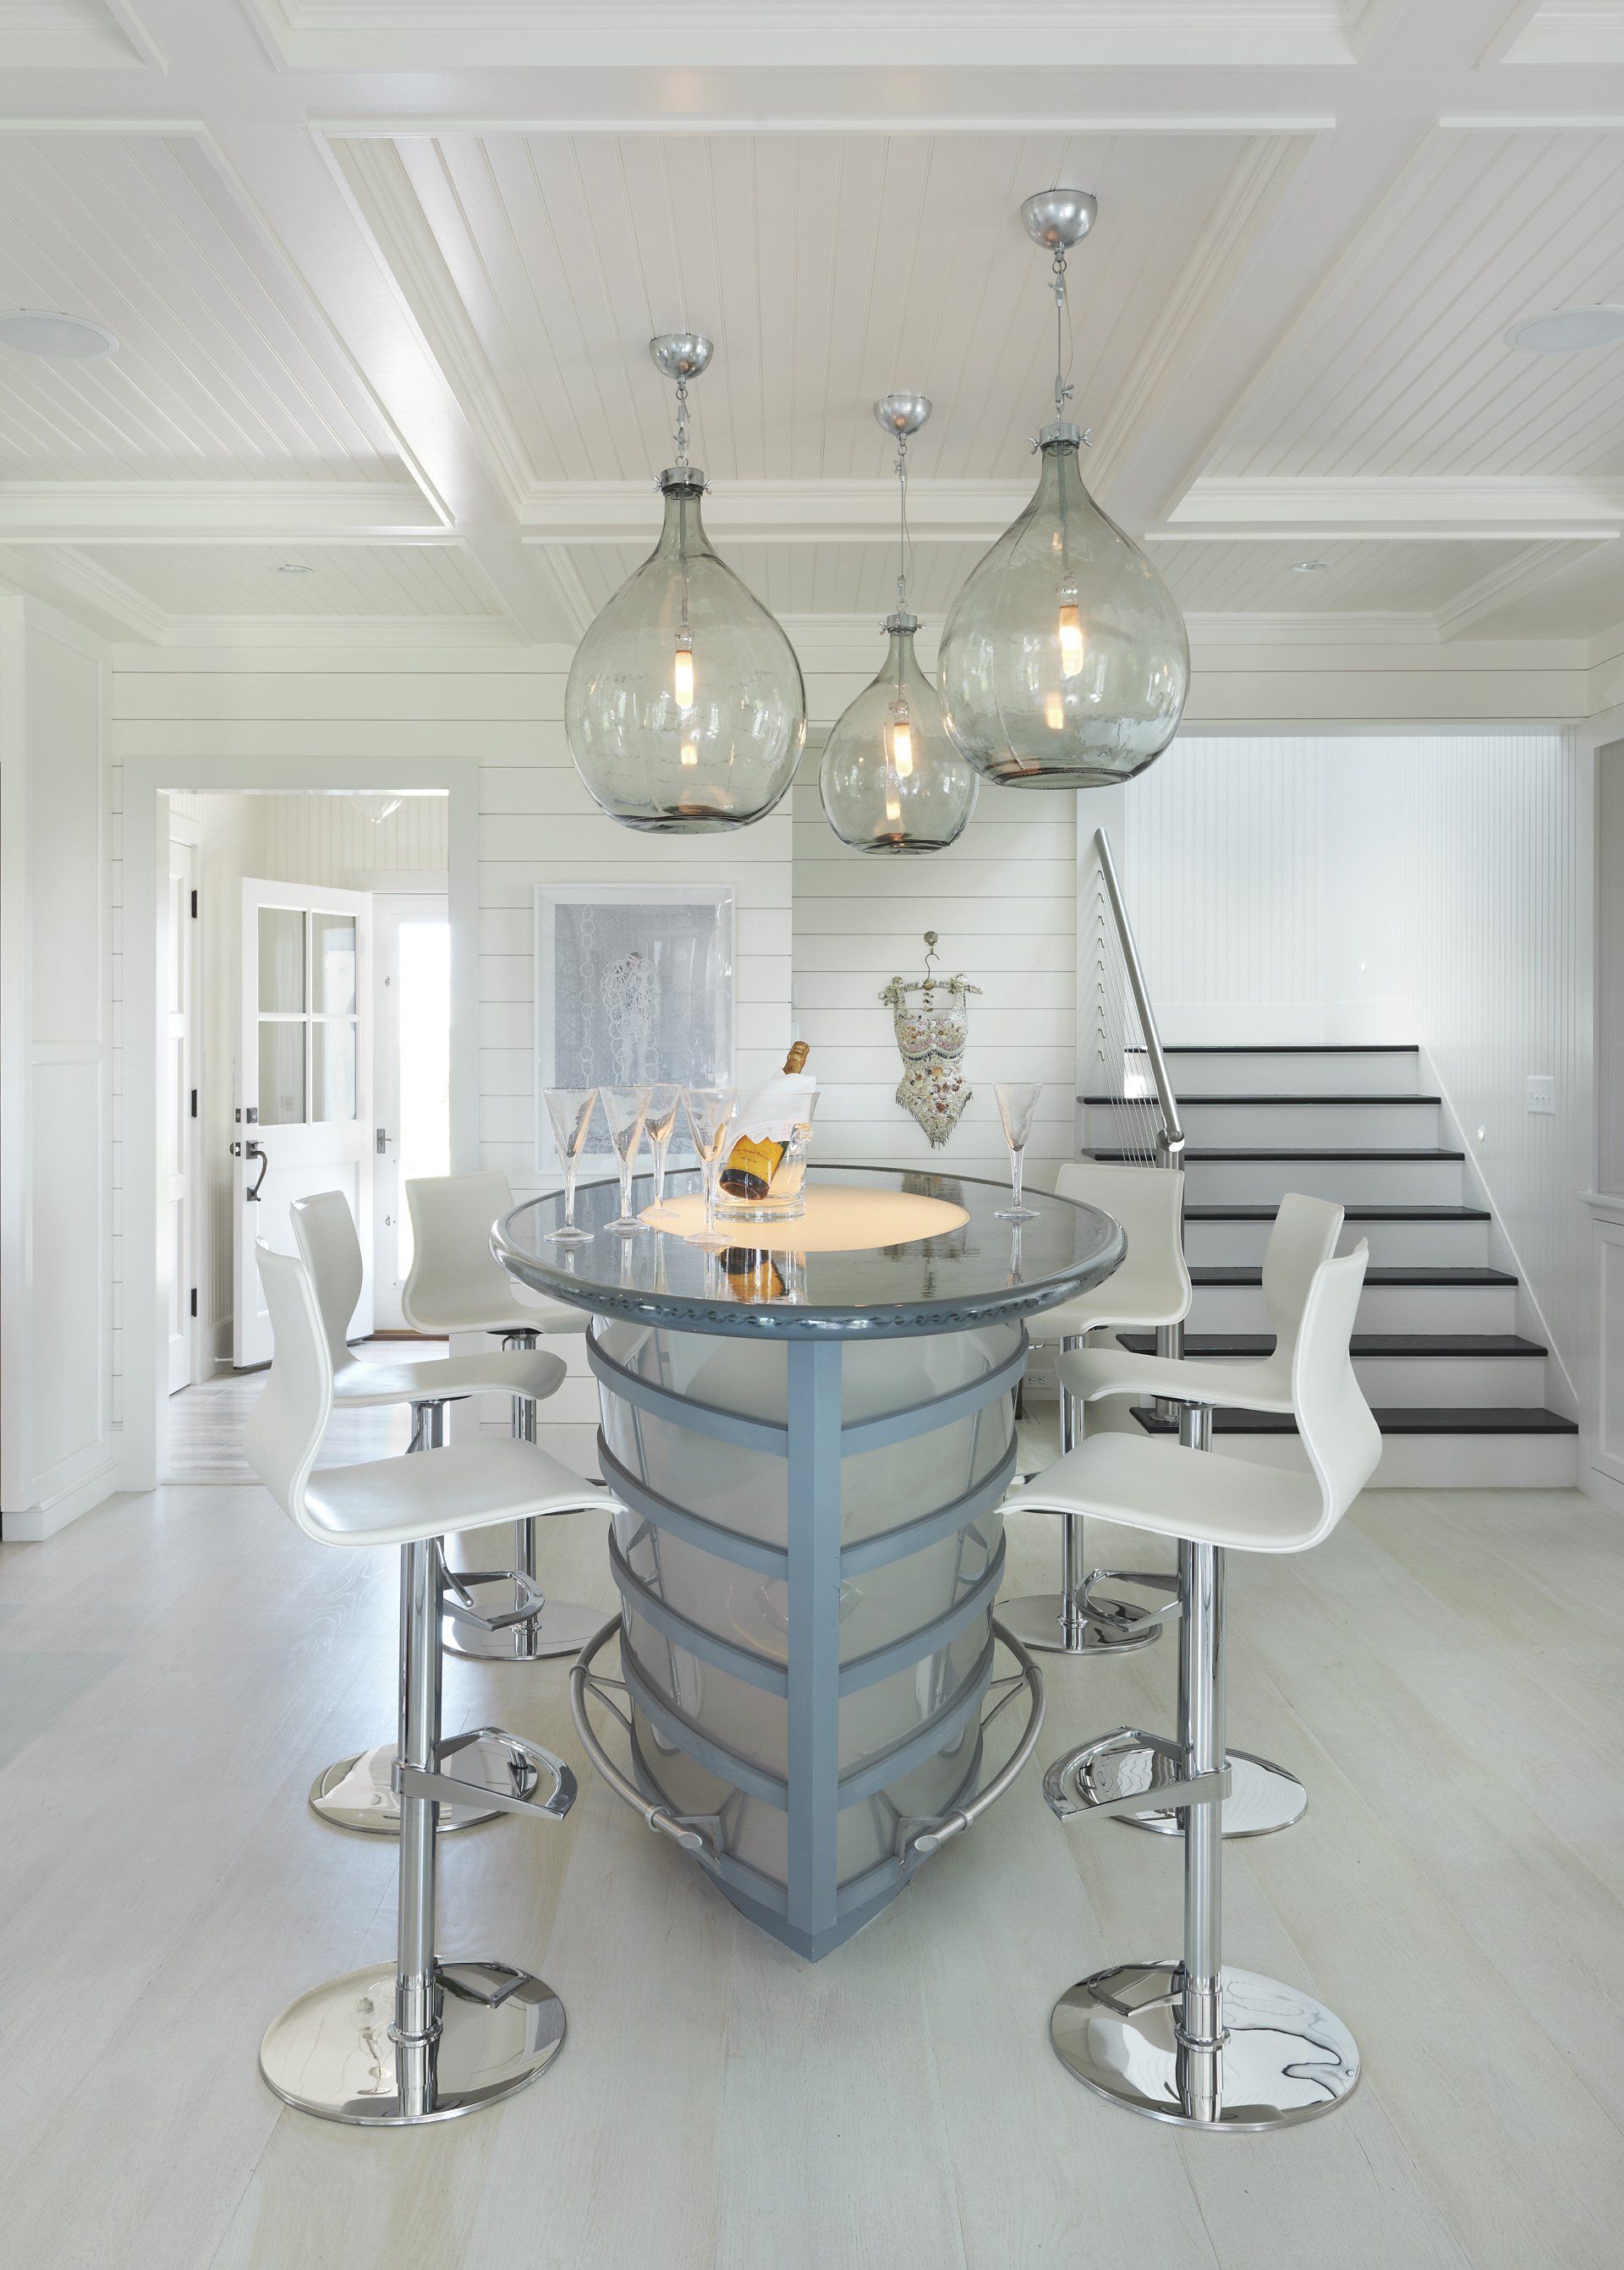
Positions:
(634, 982)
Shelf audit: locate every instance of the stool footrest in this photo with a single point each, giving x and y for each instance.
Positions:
(531, 1764)
(1068, 1794)
(460, 1609)
(1111, 1614)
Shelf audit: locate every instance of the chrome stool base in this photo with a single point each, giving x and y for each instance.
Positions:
(1035, 1620)
(1263, 1797)
(1285, 2057)
(332, 2052)
(559, 1628)
(358, 1794)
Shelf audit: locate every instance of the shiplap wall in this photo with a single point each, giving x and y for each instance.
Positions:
(502, 714)
(1001, 901)
(1431, 888)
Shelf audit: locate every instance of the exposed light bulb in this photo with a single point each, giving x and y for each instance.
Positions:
(1070, 633)
(1054, 712)
(901, 741)
(690, 754)
(682, 675)
(893, 801)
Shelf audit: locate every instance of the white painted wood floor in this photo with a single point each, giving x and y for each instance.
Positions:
(1444, 1675)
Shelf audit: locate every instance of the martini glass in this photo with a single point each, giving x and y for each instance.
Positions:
(665, 1105)
(626, 1108)
(710, 1113)
(570, 1110)
(1017, 1107)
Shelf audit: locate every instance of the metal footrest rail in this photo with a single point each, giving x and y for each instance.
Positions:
(459, 1605)
(698, 1832)
(928, 1834)
(1110, 1614)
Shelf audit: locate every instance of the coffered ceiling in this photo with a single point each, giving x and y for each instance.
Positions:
(383, 273)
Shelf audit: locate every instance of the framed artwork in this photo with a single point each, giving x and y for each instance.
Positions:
(633, 983)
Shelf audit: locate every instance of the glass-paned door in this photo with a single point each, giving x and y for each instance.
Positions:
(303, 1113)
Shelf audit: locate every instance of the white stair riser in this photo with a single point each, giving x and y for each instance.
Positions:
(1275, 1126)
(1381, 1309)
(1269, 1071)
(1376, 1181)
(1427, 1244)
(1438, 1461)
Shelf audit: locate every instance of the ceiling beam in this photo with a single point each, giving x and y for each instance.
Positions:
(1535, 508)
(216, 512)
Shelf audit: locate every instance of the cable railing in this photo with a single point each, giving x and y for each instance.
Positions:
(1126, 1066)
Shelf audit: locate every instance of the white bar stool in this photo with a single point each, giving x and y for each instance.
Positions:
(1195, 2042)
(1152, 1287)
(1263, 1797)
(458, 1285)
(395, 2045)
(357, 1793)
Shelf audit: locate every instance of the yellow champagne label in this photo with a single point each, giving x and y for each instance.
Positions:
(749, 1157)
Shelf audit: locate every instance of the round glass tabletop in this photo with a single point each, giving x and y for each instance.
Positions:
(970, 1267)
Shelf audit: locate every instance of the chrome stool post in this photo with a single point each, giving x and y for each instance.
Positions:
(426, 2040)
(533, 1629)
(1196, 2043)
(1263, 1797)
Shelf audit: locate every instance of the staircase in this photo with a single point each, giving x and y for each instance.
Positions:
(1460, 1397)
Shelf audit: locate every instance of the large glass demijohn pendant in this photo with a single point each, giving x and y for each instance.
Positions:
(890, 777)
(685, 710)
(1064, 662)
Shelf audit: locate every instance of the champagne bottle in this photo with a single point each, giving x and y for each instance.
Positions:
(753, 1163)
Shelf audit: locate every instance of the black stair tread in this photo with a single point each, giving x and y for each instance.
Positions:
(1191, 1100)
(1419, 1344)
(1446, 1279)
(1397, 1418)
(1286, 1048)
(1364, 1212)
(1193, 1158)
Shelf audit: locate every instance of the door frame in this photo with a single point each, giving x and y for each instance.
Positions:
(188, 832)
(148, 782)
(395, 891)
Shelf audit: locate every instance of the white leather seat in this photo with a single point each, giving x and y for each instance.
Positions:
(1150, 1288)
(1304, 1236)
(456, 1283)
(464, 2034)
(1196, 2042)
(325, 1231)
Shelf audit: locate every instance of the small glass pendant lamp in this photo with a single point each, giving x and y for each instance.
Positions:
(891, 779)
(1064, 662)
(684, 710)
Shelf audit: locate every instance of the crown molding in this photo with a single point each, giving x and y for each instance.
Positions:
(349, 632)
(1506, 508)
(1375, 628)
(216, 512)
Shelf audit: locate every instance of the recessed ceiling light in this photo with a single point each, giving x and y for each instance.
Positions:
(65, 339)
(293, 568)
(1309, 567)
(1569, 330)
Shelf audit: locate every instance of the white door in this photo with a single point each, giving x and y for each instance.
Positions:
(303, 1120)
(182, 1123)
(412, 1076)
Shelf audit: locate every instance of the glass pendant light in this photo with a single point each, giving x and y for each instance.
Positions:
(891, 778)
(685, 708)
(1064, 662)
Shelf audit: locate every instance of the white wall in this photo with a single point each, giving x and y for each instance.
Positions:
(502, 715)
(58, 1289)
(1429, 888)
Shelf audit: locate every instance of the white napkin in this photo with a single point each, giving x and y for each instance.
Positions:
(777, 1107)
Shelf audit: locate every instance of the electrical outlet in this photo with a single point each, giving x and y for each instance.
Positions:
(1540, 1089)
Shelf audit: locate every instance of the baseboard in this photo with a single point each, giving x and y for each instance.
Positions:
(35, 1523)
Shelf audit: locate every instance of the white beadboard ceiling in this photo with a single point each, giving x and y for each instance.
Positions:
(385, 269)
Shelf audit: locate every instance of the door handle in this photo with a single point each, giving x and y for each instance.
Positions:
(257, 1151)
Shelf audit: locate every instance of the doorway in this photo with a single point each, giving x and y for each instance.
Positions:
(316, 1050)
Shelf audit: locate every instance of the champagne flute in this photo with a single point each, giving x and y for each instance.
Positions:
(570, 1110)
(626, 1108)
(664, 1104)
(710, 1113)
(1017, 1106)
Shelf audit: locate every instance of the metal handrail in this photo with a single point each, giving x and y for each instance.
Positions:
(1170, 1141)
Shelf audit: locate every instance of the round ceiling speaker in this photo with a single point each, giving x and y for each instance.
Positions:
(63, 338)
(1569, 330)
